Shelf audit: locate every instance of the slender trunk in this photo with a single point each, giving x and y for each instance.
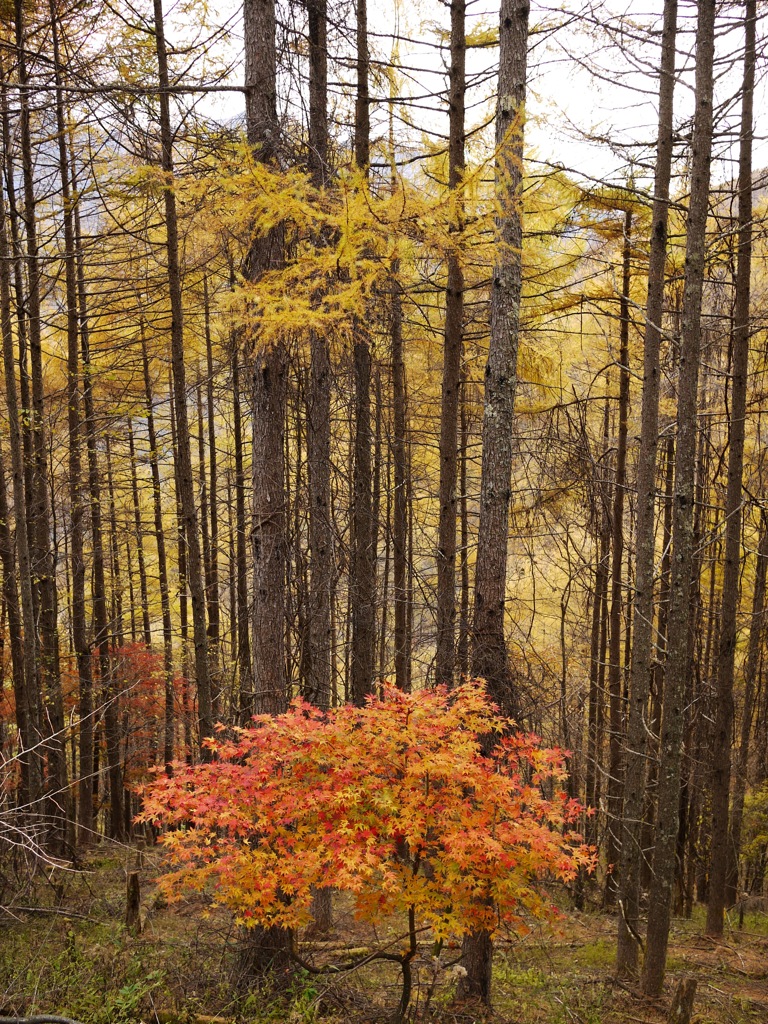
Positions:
(76, 499)
(602, 528)
(726, 652)
(162, 563)
(615, 674)
(212, 573)
(462, 651)
(363, 579)
(212, 631)
(756, 634)
(99, 594)
(320, 531)
(362, 582)
(245, 675)
(12, 611)
(118, 638)
(678, 667)
(39, 509)
(451, 382)
(642, 645)
(399, 458)
(187, 494)
(362, 95)
(139, 533)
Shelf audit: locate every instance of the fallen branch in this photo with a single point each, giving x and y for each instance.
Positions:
(46, 910)
(44, 1018)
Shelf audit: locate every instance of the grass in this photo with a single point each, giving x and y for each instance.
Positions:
(180, 968)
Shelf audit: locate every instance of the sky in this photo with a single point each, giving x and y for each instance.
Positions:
(591, 88)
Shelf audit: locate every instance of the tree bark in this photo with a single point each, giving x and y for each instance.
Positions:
(489, 649)
(726, 652)
(678, 666)
(451, 383)
(42, 558)
(212, 569)
(139, 533)
(756, 634)
(162, 563)
(184, 456)
(615, 672)
(642, 644)
(270, 538)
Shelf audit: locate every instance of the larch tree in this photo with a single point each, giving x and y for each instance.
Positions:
(489, 658)
(678, 665)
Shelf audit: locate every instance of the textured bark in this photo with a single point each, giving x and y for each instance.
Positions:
(76, 499)
(642, 644)
(139, 534)
(756, 635)
(317, 25)
(118, 637)
(162, 562)
(269, 533)
(184, 456)
(320, 526)
(12, 610)
(101, 624)
(182, 592)
(362, 95)
(212, 629)
(615, 670)
(400, 460)
(363, 578)
(42, 556)
(726, 651)
(270, 540)
(451, 382)
(489, 650)
(678, 666)
(462, 650)
(212, 564)
(245, 673)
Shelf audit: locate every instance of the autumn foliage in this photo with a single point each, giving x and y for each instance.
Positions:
(395, 803)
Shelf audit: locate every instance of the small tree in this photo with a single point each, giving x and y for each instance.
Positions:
(393, 803)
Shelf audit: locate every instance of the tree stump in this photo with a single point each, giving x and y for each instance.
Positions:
(133, 902)
(682, 1002)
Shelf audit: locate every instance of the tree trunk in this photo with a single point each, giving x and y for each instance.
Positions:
(139, 533)
(212, 575)
(162, 563)
(270, 541)
(678, 667)
(399, 458)
(756, 634)
(642, 644)
(451, 383)
(726, 652)
(184, 457)
(489, 649)
(245, 674)
(41, 551)
(12, 611)
(615, 673)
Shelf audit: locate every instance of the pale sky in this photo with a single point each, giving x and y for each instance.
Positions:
(591, 105)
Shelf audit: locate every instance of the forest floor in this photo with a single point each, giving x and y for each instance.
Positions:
(64, 949)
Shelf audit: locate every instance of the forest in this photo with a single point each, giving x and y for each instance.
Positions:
(383, 512)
